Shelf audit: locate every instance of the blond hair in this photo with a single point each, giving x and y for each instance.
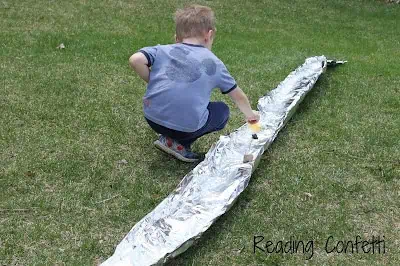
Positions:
(194, 21)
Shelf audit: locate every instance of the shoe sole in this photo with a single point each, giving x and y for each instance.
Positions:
(178, 156)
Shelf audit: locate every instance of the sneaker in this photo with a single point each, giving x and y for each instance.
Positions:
(175, 149)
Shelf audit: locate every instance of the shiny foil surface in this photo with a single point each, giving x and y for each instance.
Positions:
(212, 187)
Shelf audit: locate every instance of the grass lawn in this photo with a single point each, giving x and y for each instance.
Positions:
(69, 117)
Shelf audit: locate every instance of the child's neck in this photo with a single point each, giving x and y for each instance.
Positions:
(195, 41)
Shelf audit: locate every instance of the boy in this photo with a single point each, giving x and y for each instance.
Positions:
(180, 79)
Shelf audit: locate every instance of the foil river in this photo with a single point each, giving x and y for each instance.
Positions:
(212, 187)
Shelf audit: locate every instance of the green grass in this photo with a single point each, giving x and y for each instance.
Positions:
(67, 117)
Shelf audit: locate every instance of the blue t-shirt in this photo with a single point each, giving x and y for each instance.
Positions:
(182, 77)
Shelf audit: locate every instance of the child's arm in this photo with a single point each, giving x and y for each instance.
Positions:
(241, 100)
(139, 63)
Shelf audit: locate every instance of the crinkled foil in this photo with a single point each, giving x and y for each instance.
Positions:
(212, 187)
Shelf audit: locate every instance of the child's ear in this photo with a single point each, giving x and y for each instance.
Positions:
(206, 36)
(210, 35)
(176, 39)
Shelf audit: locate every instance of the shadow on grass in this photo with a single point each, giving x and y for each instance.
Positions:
(313, 97)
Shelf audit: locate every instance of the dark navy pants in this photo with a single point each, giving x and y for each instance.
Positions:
(217, 119)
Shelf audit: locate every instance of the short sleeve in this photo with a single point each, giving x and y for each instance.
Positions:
(226, 82)
(150, 53)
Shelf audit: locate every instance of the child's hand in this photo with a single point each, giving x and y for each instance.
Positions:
(253, 118)
(241, 100)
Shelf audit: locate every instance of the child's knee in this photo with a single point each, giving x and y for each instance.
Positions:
(220, 113)
(225, 111)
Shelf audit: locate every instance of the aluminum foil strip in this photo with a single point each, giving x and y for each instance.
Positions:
(212, 187)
